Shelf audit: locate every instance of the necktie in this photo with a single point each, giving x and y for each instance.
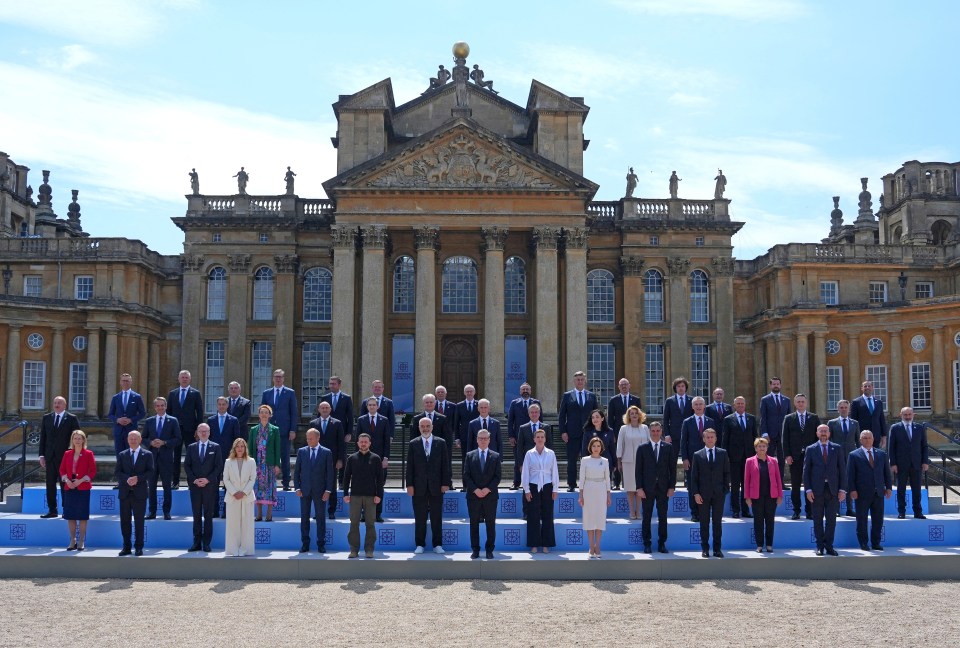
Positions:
(57, 423)
(909, 432)
(440, 407)
(379, 402)
(233, 404)
(183, 396)
(846, 430)
(483, 460)
(719, 409)
(525, 405)
(486, 424)
(373, 423)
(823, 446)
(656, 451)
(313, 454)
(336, 397)
(700, 425)
(580, 398)
(276, 397)
(159, 425)
(323, 425)
(203, 451)
(777, 398)
(870, 457)
(683, 402)
(870, 404)
(221, 422)
(624, 401)
(803, 421)
(711, 455)
(136, 453)
(426, 447)
(743, 425)
(126, 397)
(533, 427)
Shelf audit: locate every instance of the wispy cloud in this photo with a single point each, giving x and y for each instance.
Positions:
(67, 58)
(740, 9)
(688, 100)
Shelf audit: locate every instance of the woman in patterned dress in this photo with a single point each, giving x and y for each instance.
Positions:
(265, 439)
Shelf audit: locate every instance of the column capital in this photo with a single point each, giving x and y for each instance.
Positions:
(678, 265)
(15, 327)
(494, 238)
(545, 237)
(374, 237)
(344, 237)
(575, 238)
(819, 334)
(427, 237)
(286, 263)
(191, 262)
(895, 332)
(632, 266)
(239, 262)
(723, 266)
(936, 328)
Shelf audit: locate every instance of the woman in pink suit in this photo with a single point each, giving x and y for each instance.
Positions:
(763, 491)
(77, 471)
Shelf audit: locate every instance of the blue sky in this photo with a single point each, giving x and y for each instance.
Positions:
(795, 100)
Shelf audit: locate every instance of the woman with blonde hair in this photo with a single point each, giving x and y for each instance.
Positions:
(632, 435)
(265, 438)
(239, 476)
(77, 471)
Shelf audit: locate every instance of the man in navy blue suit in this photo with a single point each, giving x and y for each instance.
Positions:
(161, 433)
(773, 408)
(342, 406)
(656, 476)
(909, 459)
(518, 414)
(239, 407)
(466, 412)
(203, 464)
(868, 411)
(331, 438)
(709, 483)
(484, 422)
(868, 482)
(574, 412)
(446, 407)
(185, 403)
(676, 409)
(481, 477)
(718, 410)
(126, 410)
(313, 478)
(134, 470)
(224, 427)
(384, 409)
(286, 416)
(378, 429)
(691, 440)
(824, 481)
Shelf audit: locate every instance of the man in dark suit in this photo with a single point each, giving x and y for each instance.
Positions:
(616, 409)
(442, 426)
(737, 434)
(342, 406)
(481, 477)
(824, 480)
(184, 403)
(909, 459)
(466, 412)
(799, 431)
(446, 407)
(161, 434)
(773, 408)
(378, 429)
(313, 478)
(134, 470)
(656, 473)
(485, 422)
(845, 431)
(331, 433)
(385, 409)
(868, 411)
(203, 464)
(56, 428)
(224, 428)
(428, 478)
(126, 410)
(691, 440)
(517, 415)
(574, 412)
(239, 407)
(286, 416)
(676, 409)
(718, 410)
(868, 483)
(710, 481)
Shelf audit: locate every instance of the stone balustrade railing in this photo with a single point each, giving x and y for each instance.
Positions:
(791, 253)
(676, 209)
(106, 249)
(241, 205)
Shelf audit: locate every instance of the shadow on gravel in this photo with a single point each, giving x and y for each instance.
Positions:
(113, 586)
(490, 587)
(737, 586)
(613, 587)
(861, 587)
(361, 587)
(228, 586)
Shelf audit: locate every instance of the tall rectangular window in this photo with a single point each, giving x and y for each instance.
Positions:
(78, 386)
(877, 374)
(923, 290)
(700, 370)
(956, 384)
(32, 286)
(214, 375)
(34, 384)
(83, 288)
(834, 387)
(878, 292)
(653, 378)
(601, 370)
(920, 386)
(830, 293)
(261, 367)
(316, 372)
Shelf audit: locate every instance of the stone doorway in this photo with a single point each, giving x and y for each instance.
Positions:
(458, 365)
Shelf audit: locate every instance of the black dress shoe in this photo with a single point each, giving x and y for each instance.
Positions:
(138, 552)
(820, 552)
(286, 488)
(795, 516)
(474, 555)
(167, 516)
(748, 514)
(736, 516)
(875, 548)
(809, 516)
(647, 549)
(194, 547)
(718, 553)
(331, 516)
(206, 548)
(379, 519)
(72, 547)
(901, 516)
(864, 547)
(662, 548)
(321, 549)
(116, 487)
(125, 552)
(152, 516)
(489, 555)
(832, 552)
(851, 514)
(48, 515)
(920, 516)
(705, 553)
(304, 548)
(176, 487)
(571, 490)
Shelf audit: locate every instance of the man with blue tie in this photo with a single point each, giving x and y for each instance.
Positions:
(378, 433)
(845, 431)
(574, 412)
(484, 422)
(774, 407)
(203, 465)
(133, 471)
(342, 406)
(867, 409)
(868, 483)
(126, 410)
(824, 481)
(239, 407)
(481, 477)
(313, 479)
(286, 416)
(161, 433)
(331, 438)
(224, 427)
(517, 415)
(185, 403)
(909, 459)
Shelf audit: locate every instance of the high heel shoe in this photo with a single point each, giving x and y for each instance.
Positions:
(258, 519)
(80, 547)
(72, 547)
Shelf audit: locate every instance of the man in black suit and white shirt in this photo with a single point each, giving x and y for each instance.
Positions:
(481, 477)
(574, 412)
(676, 409)
(656, 475)
(909, 459)
(485, 422)
(616, 409)
(868, 410)
(799, 431)
(161, 434)
(185, 404)
(738, 432)
(442, 427)
(428, 479)
(331, 438)
(868, 483)
(56, 428)
(773, 408)
(203, 464)
(446, 407)
(134, 470)
(239, 408)
(709, 482)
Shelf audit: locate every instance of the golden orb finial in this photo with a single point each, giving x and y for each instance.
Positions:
(461, 50)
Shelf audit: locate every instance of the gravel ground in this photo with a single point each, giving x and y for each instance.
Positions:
(453, 613)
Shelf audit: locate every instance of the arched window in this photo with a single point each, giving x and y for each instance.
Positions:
(515, 286)
(263, 294)
(217, 294)
(317, 295)
(652, 296)
(459, 285)
(404, 285)
(600, 307)
(941, 232)
(699, 296)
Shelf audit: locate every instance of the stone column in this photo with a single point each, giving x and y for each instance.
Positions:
(110, 376)
(633, 352)
(545, 316)
(820, 404)
(372, 304)
(576, 300)
(344, 325)
(493, 329)
(237, 364)
(192, 312)
(13, 368)
(144, 368)
(677, 268)
(725, 361)
(56, 366)
(898, 397)
(803, 365)
(286, 310)
(153, 369)
(94, 379)
(853, 365)
(772, 364)
(939, 381)
(425, 336)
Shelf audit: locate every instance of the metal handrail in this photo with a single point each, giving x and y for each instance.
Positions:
(20, 462)
(944, 473)
(954, 438)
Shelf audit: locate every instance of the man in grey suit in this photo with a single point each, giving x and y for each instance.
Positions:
(481, 478)
(845, 431)
(313, 479)
(824, 481)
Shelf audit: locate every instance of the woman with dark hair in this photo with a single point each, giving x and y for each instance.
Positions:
(597, 428)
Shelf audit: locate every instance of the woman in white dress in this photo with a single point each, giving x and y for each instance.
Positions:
(631, 436)
(594, 493)
(239, 476)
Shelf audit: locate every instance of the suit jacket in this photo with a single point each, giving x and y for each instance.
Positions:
(708, 479)
(225, 437)
(54, 441)
(449, 410)
(772, 415)
(380, 432)
(737, 441)
(240, 476)
(690, 438)
(462, 422)
(209, 467)
(616, 409)
(711, 411)
(474, 477)
(134, 411)
(674, 416)
(314, 477)
(286, 416)
(442, 427)
(851, 441)
(170, 433)
(427, 474)
(609, 443)
(525, 441)
(126, 468)
(241, 410)
(86, 467)
(654, 476)
(190, 414)
(517, 415)
(875, 422)
(906, 453)
(816, 473)
(332, 439)
(795, 438)
(574, 418)
(751, 478)
(496, 440)
(385, 410)
(343, 411)
(863, 479)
